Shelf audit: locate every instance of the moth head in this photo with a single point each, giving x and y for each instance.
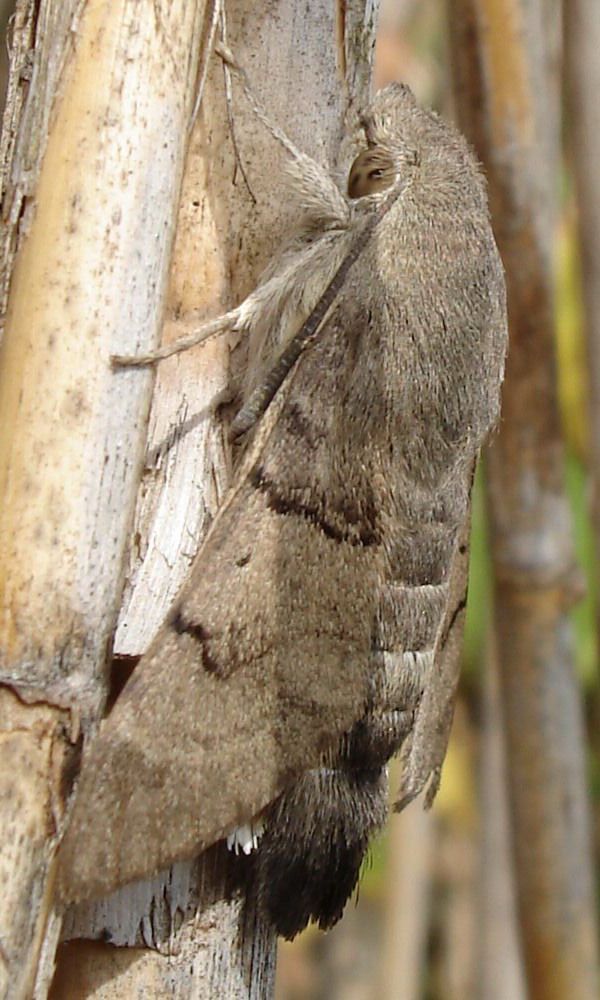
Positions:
(391, 126)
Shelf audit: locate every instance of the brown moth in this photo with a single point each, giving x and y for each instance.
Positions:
(319, 630)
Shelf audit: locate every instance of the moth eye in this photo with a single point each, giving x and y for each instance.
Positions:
(372, 171)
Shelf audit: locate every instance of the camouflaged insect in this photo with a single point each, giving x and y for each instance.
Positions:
(319, 631)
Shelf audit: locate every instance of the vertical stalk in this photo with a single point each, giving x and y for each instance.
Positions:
(582, 71)
(500, 86)
(193, 930)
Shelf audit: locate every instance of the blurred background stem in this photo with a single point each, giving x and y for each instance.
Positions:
(503, 99)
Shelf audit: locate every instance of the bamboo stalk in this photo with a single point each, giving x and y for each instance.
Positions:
(189, 933)
(582, 37)
(103, 102)
(500, 87)
(500, 963)
(411, 842)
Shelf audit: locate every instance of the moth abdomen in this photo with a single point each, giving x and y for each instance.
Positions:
(379, 736)
(317, 832)
(316, 837)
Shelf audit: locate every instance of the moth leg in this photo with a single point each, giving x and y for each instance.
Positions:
(213, 328)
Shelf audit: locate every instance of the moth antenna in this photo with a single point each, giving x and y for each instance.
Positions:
(229, 99)
(229, 59)
(214, 328)
(216, 14)
(320, 198)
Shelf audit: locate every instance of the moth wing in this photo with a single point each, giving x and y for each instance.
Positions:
(262, 664)
(425, 748)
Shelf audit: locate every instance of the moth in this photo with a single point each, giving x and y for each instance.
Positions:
(319, 631)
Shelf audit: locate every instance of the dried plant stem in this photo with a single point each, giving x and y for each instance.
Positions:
(497, 48)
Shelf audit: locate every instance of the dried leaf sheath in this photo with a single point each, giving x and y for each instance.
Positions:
(304, 638)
